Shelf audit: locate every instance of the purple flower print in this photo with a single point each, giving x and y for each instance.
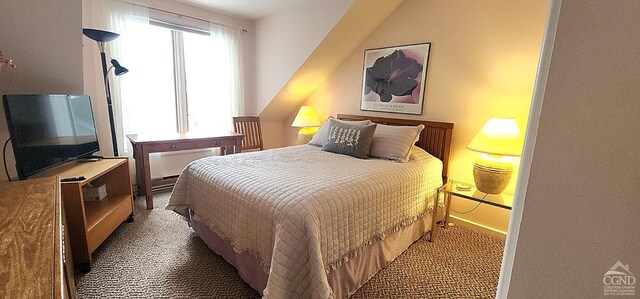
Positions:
(392, 75)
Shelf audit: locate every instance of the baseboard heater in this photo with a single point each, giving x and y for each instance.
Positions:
(160, 184)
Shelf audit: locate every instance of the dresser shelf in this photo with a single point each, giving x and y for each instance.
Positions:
(91, 222)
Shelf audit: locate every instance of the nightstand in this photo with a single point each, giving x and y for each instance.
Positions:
(503, 201)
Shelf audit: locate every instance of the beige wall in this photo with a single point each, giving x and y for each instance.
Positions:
(44, 38)
(285, 41)
(483, 63)
(294, 77)
(581, 207)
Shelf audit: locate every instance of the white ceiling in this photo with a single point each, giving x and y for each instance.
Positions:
(252, 9)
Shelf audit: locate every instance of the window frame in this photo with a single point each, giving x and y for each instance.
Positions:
(179, 70)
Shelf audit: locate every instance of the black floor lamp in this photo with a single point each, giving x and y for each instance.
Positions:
(101, 37)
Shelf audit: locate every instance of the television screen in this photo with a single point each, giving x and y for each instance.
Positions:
(47, 130)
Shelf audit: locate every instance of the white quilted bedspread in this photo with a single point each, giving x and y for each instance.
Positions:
(301, 210)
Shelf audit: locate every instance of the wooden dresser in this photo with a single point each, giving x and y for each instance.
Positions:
(35, 260)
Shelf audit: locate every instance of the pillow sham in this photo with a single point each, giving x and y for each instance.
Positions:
(394, 142)
(349, 139)
(322, 134)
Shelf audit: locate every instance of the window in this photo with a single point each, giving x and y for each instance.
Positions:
(178, 81)
(207, 80)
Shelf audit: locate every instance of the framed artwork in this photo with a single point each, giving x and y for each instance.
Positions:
(393, 79)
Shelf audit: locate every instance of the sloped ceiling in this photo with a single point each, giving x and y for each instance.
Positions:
(356, 24)
(253, 9)
(285, 40)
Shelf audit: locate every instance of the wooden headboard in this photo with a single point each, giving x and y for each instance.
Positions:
(435, 138)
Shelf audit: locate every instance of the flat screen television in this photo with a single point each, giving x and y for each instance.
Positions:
(47, 130)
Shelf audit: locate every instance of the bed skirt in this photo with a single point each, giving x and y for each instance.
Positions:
(345, 279)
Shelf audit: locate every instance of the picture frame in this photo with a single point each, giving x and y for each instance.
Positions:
(394, 79)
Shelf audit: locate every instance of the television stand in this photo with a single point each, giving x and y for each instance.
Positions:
(91, 222)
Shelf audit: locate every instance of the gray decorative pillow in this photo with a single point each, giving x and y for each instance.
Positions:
(323, 133)
(349, 139)
(394, 142)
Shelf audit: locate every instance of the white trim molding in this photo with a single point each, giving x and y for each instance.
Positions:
(529, 145)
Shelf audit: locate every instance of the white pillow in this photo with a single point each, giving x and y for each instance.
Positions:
(320, 138)
(394, 142)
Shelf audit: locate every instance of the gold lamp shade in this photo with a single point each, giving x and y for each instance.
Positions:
(499, 137)
(308, 122)
(306, 117)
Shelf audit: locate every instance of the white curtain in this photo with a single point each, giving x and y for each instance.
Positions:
(234, 40)
(121, 17)
(116, 16)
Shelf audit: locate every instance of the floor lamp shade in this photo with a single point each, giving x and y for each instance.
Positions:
(101, 37)
(498, 138)
(117, 68)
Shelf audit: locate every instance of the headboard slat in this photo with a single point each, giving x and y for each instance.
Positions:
(435, 138)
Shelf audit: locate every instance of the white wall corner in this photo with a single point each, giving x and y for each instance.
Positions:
(529, 146)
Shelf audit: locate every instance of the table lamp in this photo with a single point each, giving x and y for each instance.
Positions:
(498, 138)
(308, 122)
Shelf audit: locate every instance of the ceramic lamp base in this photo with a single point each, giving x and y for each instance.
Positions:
(305, 134)
(492, 174)
(304, 138)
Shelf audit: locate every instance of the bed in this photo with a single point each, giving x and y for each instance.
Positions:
(299, 222)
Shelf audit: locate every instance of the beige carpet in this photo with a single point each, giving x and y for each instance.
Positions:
(159, 256)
